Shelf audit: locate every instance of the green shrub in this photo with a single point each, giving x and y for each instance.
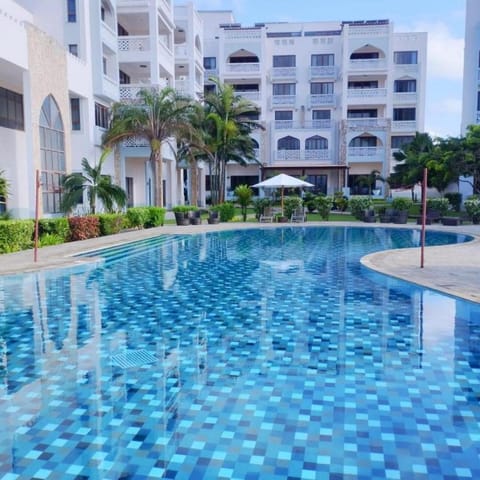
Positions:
(50, 239)
(455, 199)
(259, 206)
(111, 223)
(340, 201)
(472, 207)
(226, 211)
(358, 204)
(184, 208)
(401, 204)
(290, 204)
(324, 205)
(156, 217)
(309, 201)
(54, 226)
(82, 228)
(16, 235)
(441, 205)
(137, 217)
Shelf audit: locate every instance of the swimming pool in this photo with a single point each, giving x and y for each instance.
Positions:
(268, 354)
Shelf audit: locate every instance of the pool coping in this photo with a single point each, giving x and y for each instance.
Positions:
(450, 269)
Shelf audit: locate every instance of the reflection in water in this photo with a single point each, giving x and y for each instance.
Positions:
(277, 339)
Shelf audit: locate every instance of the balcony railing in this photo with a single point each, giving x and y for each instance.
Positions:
(283, 72)
(211, 72)
(129, 92)
(134, 44)
(368, 64)
(366, 154)
(135, 142)
(404, 126)
(370, 123)
(328, 71)
(366, 93)
(312, 124)
(283, 100)
(405, 97)
(317, 100)
(302, 155)
(253, 96)
(242, 68)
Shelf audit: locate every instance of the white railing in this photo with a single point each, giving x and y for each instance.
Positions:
(322, 99)
(242, 34)
(367, 123)
(285, 124)
(302, 155)
(278, 100)
(283, 72)
(212, 72)
(366, 93)
(404, 126)
(319, 124)
(182, 86)
(369, 30)
(311, 124)
(134, 44)
(181, 51)
(406, 69)
(370, 152)
(110, 87)
(133, 142)
(368, 64)
(129, 92)
(405, 97)
(328, 71)
(253, 96)
(242, 67)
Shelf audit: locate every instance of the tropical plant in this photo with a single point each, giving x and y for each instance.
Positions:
(259, 206)
(244, 194)
(441, 205)
(97, 186)
(455, 199)
(370, 180)
(290, 204)
(4, 186)
(226, 211)
(227, 134)
(401, 204)
(324, 205)
(472, 207)
(156, 117)
(309, 201)
(358, 204)
(471, 164)
(340, 201)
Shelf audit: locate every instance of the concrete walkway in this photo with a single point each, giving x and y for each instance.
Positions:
(453, 269)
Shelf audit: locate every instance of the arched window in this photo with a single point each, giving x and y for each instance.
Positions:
(364, 140)
(288, 143)
(316, 143)
(52, 151)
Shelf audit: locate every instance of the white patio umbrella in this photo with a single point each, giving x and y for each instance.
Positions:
(283, 181)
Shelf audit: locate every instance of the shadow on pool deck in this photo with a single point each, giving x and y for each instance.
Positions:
(453, 269)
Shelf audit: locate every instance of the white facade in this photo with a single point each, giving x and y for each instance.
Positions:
(334, 97)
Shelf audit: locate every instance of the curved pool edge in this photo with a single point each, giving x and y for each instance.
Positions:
(452, 269)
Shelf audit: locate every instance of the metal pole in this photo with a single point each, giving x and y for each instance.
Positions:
(424, 216)
(37, 191)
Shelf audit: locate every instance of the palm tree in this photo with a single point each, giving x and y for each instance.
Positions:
(155, 117)
(228, 126)
(96, 184)
(3, 187)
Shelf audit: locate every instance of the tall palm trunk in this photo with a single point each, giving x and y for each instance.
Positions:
(157, 167)
(193, 181)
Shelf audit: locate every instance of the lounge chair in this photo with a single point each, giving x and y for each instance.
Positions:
(267, 215)
(298, 215)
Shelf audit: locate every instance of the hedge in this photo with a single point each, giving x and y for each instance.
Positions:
(82, 228)
(111, 223)
(16, 235)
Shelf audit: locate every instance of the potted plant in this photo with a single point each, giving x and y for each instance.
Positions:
(472, 207)
(181, 213)
(401, 206)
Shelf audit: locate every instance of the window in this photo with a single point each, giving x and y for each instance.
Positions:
(369, 141)
(73, 49)
(289, 143)
(52, 154)
(209, 63)
(75, 113)
(400, 141)
(364, 113)
(321, 114)
(363, 84)
(405, 58)
(11, 109)
(207, 89)
(322, 60)
(104, 65)
(122, 31)
(102, 13)
(101, 115)
(403, 114)
(71, 11)
(284, 89)
(283, 61)
(319, 182)
(405, 86)
(284, 115)
(316, 143)
(364, 56)
(478, 101)
(321, 88)
(129, 191)
(237, 180)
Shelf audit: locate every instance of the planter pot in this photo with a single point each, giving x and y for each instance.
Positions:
(400, 217)
(182, 218)
(282, 219)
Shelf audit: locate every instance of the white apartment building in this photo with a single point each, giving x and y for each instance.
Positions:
(335, 97)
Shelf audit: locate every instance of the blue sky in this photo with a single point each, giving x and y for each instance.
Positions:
(443, 20)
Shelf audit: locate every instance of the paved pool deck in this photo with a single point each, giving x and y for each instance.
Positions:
(452, 269)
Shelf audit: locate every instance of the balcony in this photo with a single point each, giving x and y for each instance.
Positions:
(368, 123)
(365, 154)
(309, 156)
(322, 100)
(283, 100)
(242, 68)
(368, 65)
(253, 95)
(405, 97)
(209, 73)
(128, 93)
(407, 69)
(329, 71)
(283, 73)
(404, 126)
(310, 125)
(367, 95)
(134, 44)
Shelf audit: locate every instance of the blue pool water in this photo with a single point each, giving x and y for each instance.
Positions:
(258, 354)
